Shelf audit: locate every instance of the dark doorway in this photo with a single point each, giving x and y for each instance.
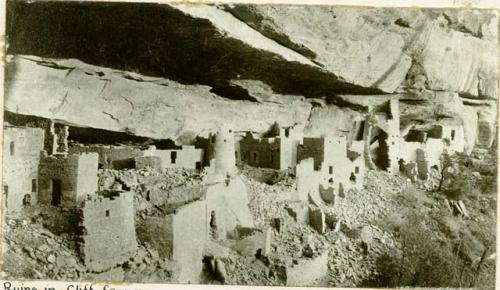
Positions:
(173, 157)
(56, 192)
(198, 165)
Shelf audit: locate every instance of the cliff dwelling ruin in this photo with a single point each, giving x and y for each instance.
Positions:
(250, 145)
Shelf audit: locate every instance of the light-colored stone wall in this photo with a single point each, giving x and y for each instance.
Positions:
(109, 237)
(77, 174)
(187, 157)
(20, 165)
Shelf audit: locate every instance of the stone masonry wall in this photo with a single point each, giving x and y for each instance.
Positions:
(312, 147)
(77, 175)
(21, 157)
(109, 231)
(265, 152)
(188, 157)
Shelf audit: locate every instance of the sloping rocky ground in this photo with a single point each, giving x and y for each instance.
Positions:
(368, 227)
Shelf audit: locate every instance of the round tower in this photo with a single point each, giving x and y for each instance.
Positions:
(225, 158)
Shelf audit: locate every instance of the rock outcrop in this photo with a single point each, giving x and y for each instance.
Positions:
(250, 66)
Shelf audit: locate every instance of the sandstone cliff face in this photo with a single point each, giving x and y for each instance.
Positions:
(444, 50)
(96, 97)
(250, 66)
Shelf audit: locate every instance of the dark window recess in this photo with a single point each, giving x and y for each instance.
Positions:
(33, 185)
(243, 156)
(272, 158)
(255, 156)
(452, 135)
(330, 169)
(56, 192)
(173, 157)
(12, 148)
(6, 192)
(353, 177)
(356, 169)
(107, 213)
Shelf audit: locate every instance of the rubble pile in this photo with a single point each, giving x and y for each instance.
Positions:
(156, 193)
(43, 254)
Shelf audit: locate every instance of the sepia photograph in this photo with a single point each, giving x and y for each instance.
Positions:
(249, 144)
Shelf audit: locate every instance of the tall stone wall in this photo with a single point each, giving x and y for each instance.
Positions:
(228, 201)
(179, 236)
(312, 147)
(21, 157)
(224, 152)
(265, 152)
(109, 235)
(189, 227)
(75, 174)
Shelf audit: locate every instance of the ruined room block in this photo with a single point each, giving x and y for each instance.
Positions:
(252, 243)
(307, 180)
(317, 220)
(228, 205)
(109, 154)
(187, 157)
(312, 148)
(277, 151)
(67, 180)
(21, 157)
(148, 161)
(109, 237)
(57, 138)
(179, 236)
(306, 271)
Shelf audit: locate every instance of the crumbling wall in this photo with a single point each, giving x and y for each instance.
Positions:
(56, 137)
(157, 232)
(154, 162)
(189, 225)
(188, 157)
(67, 180)
(21, 157)
(108, 154)
(179, 236)
(312, 148)
(290, 138)
(263, 152)
(109, 235)
(307, 180)
(229, 203)
(454, 137)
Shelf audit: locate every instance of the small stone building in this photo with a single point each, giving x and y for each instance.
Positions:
(108, 235)
(187, 157)
(67, 180)
(22, 147)
(326, 169)
(278, 151)
(421, 148)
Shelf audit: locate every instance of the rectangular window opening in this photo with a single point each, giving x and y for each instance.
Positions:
(33, 185)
